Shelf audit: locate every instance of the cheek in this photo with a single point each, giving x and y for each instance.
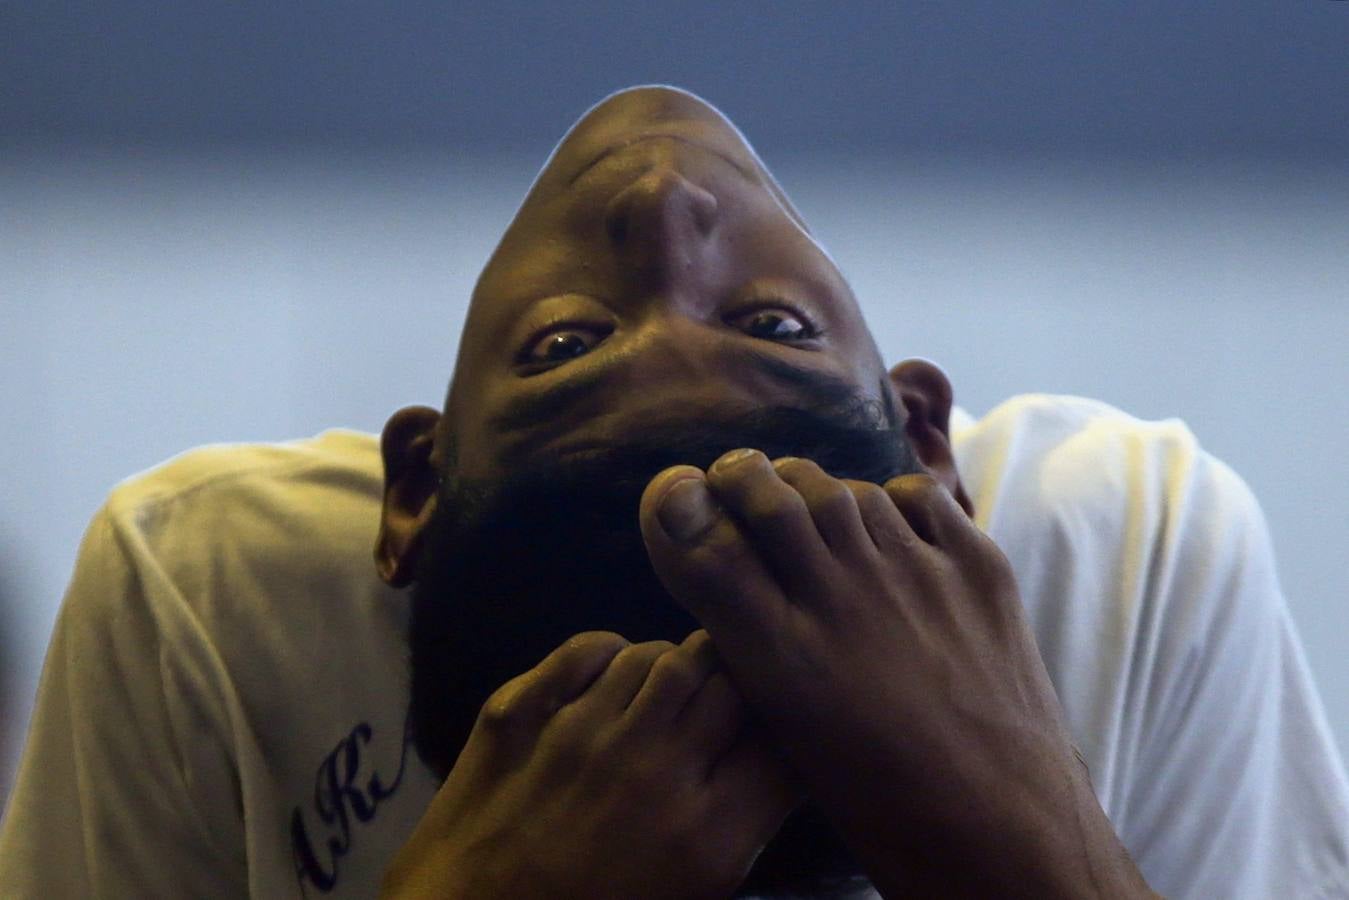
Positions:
(857, 351)
(464, 450)
(467, 430)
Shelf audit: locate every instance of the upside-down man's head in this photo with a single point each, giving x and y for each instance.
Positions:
(656, 300)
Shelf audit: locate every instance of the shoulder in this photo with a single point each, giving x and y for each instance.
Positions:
(1040, 432)
(338, 461)
(251, 503)
(1071, 459)
(251, 567)
(1133, 546)
(242, 546)
(224, 630)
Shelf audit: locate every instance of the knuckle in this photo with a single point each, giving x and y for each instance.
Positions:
(710, 563)
(594, 650)
(831, 498)
(568, 737)
(566, 749)
(995, 564)
(724, 544)
(677, 672)
(502, 709)
(638, 657)
(774, 510)
(645, 652)
(870, 498)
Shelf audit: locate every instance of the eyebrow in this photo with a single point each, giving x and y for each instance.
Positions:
(819, 390)
(623, 145)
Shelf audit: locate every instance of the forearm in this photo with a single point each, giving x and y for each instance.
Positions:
(1023, 828)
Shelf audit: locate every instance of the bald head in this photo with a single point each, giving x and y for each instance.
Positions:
(649, 113)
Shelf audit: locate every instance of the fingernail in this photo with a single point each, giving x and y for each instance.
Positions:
(687, 510)
(733, 457)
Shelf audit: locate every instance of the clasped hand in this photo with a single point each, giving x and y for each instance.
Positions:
(878, 637)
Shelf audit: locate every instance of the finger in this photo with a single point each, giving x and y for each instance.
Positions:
(530, 699)
(929, 509)
(675, 678)
(831, 502)
(882, 519)
(774, 516)
(703, 559)
(712, 721)
(613, 691)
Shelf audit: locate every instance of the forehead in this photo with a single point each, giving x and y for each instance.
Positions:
(637, 114)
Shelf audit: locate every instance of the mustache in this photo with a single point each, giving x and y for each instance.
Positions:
(857, 439)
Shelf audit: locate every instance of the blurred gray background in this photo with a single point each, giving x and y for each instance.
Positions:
(225, 222)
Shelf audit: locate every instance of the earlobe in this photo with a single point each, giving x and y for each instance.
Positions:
(925, 393)
(410, 484)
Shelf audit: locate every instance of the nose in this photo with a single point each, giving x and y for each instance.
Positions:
(658, 220)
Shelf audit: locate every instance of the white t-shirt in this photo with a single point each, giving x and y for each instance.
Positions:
(222, 709)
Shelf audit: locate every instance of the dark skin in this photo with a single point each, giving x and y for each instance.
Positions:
(656, 267)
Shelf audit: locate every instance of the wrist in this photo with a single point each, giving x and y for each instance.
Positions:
(1040, 832)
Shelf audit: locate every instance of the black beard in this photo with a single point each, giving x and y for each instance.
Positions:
(513, 569)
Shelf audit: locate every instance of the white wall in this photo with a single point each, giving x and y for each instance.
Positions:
(151, 304)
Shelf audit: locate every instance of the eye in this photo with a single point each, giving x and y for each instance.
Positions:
(561, 345)
(775, 325)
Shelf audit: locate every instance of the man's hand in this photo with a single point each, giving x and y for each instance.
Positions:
(608, 770)
(878, 634)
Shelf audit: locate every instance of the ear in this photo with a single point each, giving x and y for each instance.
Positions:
(925, 393)
(410, 482)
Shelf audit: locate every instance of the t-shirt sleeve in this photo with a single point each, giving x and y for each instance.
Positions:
(1237, 789)
(127, 786)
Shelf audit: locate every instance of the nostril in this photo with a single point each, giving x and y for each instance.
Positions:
(704, 205)
(660, 203)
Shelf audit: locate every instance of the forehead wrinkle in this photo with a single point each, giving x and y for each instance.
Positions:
(748, 173)
(756, 175)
